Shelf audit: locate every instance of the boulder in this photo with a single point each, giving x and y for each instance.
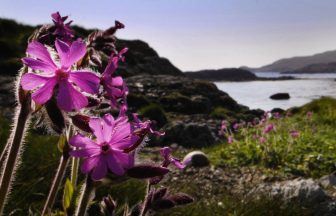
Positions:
(280, 96)
(188, 134)
(328, 180)
(196, 159)
(304, 191)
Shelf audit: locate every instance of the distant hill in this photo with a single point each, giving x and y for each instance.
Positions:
(142, 59)
(226, 74)
(315, 68)
(297, 63)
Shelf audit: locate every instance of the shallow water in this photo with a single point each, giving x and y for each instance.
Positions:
(255, 94)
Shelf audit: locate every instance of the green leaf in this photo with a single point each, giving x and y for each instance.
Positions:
(61, 142)
(68, 193)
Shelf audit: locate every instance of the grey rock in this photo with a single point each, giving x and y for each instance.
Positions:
(304, 191)
(189, 134)
(328, 180)
(280, 96)
(196, 159)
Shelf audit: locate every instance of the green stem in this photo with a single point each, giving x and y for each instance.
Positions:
(56, 184)
(74, 171)
(88, 193)
(13, 154)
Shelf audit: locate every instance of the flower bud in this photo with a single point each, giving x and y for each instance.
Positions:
(146, 171)
(55, 115)
(82, 122)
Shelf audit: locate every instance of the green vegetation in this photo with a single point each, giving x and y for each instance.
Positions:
(154, 112)
(311, 154)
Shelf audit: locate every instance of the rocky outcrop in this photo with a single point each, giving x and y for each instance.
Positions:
(142, 59)
(180, 94)
(280, 96)
(226, 74)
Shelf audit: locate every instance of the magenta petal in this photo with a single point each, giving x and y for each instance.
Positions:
(76, 52)
(111, 67)
(100, 170)
(69, 98)
(37, 50)
(114, 92)
(97, 128)
(108, 124)
(38, 64)
(62, 50)
(30, 81)
(177, 163)
(43, 94)
(89, 163)
(86, 152)
(121, 132)
(82, 141)
(125, 159)
(86, 81)
(117, 81)
(114, 165)
(125, 143)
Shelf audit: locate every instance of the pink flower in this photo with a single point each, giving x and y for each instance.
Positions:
(262, 139)
(51, 75)
(276, 115)
(223, 128)
(268, 128)
(107, 151)
(145, 127)
(230, 139)
(236, 126)
(168, 159)
(62, 29)
(294, 133)
(309, 115)
(114, 87)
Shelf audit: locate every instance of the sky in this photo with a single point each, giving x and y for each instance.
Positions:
(201, 34)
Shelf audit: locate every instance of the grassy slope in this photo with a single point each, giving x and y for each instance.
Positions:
(313, 154)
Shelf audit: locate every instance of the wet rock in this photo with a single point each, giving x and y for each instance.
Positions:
(196, 159)
(188, 134)
(280, 96)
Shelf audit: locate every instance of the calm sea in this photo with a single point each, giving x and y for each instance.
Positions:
(255, 94)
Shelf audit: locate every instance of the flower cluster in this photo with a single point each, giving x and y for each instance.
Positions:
(67, 76)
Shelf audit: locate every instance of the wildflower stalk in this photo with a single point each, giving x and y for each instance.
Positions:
(56, 183)
(4, 152)
(74, 171)
(15, 144)
(145, 203)
(88, 193)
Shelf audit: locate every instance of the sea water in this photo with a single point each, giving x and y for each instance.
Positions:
(256, 94)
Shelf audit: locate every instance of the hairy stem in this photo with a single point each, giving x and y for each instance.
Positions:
(145, 203)
(22, 120)
(74, 171)
(56, 184)
(4, 152)
(88, 193)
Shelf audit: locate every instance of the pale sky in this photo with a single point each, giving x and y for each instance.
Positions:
(201, 34)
